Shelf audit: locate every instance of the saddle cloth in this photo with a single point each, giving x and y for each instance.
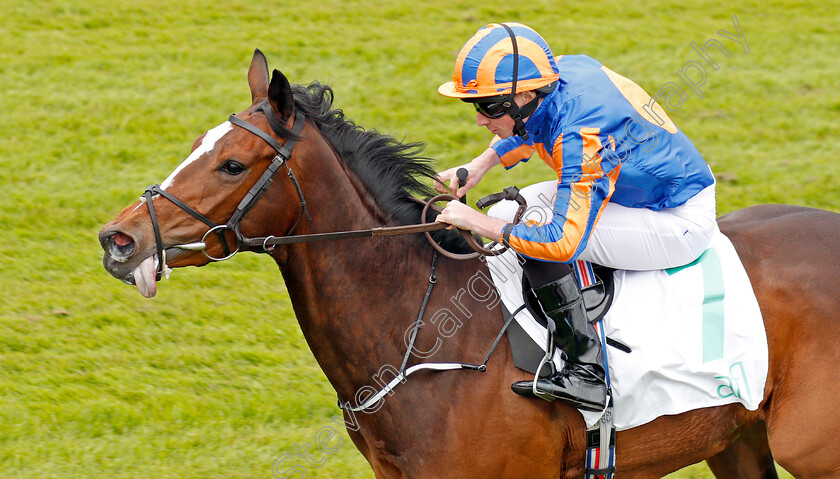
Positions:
(696, 335)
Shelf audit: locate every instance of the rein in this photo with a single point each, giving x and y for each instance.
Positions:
(265, 244)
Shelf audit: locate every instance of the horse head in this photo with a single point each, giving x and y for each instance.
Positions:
(206, 207)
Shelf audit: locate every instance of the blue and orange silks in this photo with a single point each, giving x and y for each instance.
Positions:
(608, 141)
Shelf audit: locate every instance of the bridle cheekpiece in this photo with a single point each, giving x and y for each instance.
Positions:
(284, 154)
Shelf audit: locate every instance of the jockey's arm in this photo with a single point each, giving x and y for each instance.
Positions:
(585, 186)
(583, 190)
(507, 152)
(476, 168)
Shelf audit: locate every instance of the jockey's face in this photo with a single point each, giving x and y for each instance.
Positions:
(503, 126)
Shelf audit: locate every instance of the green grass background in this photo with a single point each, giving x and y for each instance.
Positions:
(100, 99)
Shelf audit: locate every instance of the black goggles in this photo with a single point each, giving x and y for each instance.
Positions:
(492, 109)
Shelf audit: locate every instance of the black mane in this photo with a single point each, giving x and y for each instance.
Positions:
(388, 168)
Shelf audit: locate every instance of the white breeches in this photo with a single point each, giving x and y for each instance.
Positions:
(633, 238)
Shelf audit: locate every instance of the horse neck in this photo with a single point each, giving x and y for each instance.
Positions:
(355, 299)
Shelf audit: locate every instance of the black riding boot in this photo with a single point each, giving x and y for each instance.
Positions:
(581, 382)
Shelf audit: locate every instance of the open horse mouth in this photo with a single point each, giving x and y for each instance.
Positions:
(120, 253)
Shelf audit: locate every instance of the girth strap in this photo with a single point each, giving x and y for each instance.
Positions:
(600, 438)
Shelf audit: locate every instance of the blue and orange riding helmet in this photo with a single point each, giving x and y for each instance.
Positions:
(485, 66)
(499, 61)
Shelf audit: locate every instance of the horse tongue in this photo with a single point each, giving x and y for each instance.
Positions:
(144, 277)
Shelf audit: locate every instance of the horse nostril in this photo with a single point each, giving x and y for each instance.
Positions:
(121, 239)
(120, 246)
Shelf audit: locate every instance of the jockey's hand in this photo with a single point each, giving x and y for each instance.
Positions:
(450, 176)
(476, 168)
(459, 215)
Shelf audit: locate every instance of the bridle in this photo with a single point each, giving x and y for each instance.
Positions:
(284, 154)
(282, 158)
(264, 244)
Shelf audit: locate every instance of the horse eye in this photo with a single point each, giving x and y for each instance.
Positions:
(232, 167)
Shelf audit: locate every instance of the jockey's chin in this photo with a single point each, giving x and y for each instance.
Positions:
(501, 133)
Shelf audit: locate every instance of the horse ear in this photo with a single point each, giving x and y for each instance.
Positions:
(258, 76)
(280, 95)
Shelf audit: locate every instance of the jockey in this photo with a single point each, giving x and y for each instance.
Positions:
(632, 191)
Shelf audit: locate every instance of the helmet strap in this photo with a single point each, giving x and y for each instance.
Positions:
(524, 112)
(513, 109)
(519, 125)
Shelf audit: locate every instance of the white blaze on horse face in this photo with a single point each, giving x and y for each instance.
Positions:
(206, 146)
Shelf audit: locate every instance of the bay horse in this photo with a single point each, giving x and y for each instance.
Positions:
(355, 299)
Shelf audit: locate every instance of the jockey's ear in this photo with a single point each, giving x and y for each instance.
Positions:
(280, 95)
(258, 77)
